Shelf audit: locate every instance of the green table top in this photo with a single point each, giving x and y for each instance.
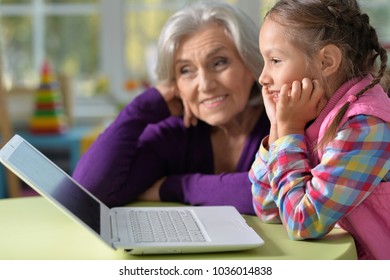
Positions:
(33, 228)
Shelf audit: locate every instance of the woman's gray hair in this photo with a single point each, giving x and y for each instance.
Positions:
(243, 31)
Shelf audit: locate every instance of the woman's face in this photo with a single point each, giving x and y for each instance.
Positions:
(211, 76)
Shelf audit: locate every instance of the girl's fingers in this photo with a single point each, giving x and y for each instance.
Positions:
(318, 96)
(296, 91)
(307, 88)
(292, 93)
(318, 91)
(321, 105)
(284, 94)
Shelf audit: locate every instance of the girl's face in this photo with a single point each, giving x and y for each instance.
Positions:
(283, 62)
(211, 76)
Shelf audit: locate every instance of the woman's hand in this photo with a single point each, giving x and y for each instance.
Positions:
(152, 193)
(298, 104)
(176, 105)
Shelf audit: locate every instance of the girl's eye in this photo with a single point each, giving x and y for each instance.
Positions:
(275, 60)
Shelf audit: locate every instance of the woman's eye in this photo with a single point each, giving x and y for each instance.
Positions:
(220, 62)
(184, 70)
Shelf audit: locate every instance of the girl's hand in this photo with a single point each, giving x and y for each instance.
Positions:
(298, 104)
(270, 104)
(176, 105)
(270, 107)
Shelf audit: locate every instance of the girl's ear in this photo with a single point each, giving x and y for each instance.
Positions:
(330, 56)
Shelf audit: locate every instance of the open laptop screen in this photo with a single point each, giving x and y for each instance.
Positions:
(54, 182)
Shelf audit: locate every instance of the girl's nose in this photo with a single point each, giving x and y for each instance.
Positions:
(263, 78)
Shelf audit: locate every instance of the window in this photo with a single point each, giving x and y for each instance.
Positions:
(65, 32)
(132, 63)
(103, 45)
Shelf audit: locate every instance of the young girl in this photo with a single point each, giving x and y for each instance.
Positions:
(327, 157)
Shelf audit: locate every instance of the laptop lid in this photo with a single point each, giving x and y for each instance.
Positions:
(59, 188)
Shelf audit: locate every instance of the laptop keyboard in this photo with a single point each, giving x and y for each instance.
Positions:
(165, 226)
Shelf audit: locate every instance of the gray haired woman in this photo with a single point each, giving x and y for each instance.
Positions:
(191, 138)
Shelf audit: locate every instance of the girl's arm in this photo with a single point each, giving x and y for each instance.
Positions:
(263, 202)
(312, 200)
(294, 107)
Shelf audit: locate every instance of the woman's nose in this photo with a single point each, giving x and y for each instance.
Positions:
(206, 81)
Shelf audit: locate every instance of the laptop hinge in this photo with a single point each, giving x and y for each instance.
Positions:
(114, 229)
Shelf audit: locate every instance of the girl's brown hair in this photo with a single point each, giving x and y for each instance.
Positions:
(313, 24)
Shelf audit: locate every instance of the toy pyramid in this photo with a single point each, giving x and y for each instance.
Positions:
(48, 117)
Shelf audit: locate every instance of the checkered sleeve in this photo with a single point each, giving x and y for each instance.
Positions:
(263, 201)
(311, 199)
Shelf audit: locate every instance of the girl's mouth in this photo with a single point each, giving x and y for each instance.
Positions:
(275, 96)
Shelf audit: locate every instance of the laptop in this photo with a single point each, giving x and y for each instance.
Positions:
(200, 229)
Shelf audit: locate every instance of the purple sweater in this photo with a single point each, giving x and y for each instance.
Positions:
(146, 143)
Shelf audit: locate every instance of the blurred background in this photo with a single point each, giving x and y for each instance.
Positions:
(105, 47)
(101, 54)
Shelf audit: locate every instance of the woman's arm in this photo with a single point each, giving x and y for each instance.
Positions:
(112, 168)
(208, 189)
(192, 179)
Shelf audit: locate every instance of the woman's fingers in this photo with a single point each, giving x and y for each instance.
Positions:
(188, 117)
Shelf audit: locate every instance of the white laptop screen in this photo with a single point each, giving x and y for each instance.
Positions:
(52, 181)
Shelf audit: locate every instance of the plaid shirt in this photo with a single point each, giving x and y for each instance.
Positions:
(310, 200)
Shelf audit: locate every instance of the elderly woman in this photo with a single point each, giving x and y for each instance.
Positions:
(193, 137)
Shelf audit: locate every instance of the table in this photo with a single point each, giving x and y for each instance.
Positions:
(33, 228)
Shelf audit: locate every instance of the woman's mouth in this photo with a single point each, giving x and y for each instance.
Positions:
(214, 102)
